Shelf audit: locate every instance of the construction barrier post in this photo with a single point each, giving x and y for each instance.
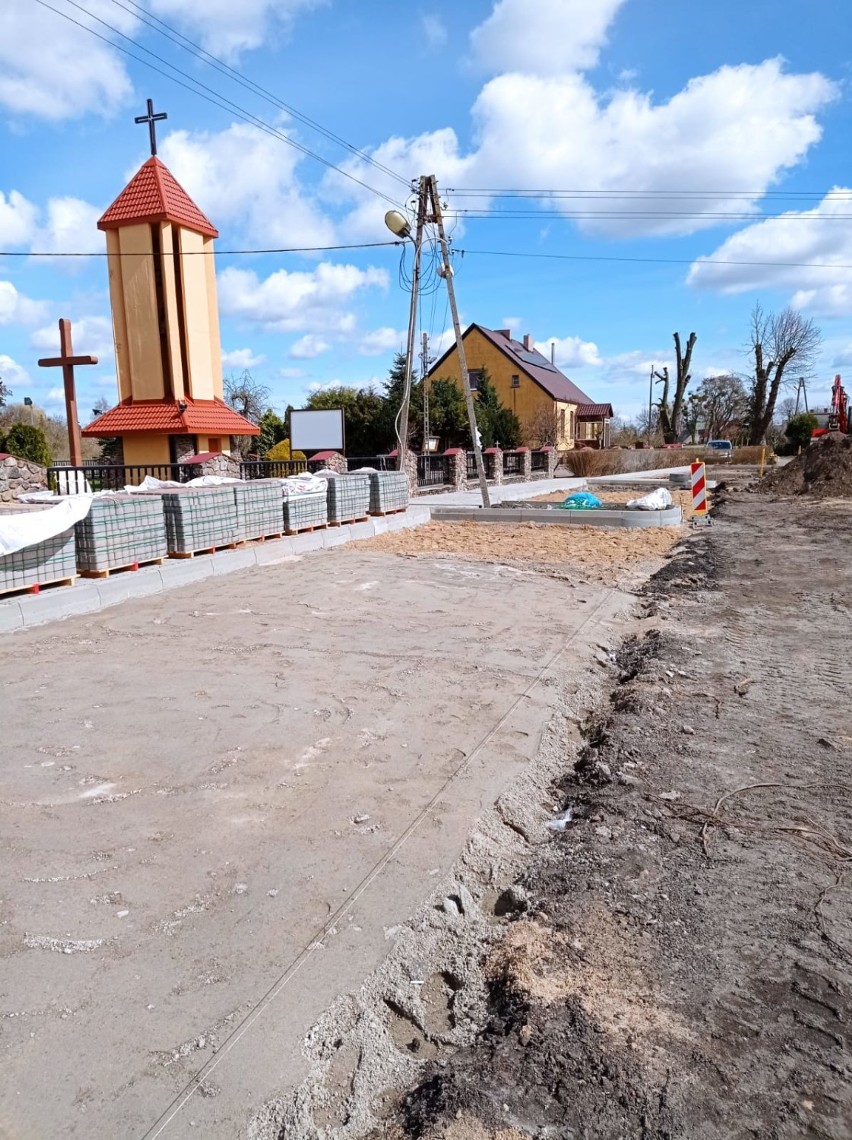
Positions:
(762, 461)
(699, 494)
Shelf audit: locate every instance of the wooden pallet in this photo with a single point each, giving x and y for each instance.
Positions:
(120, 569)
(204, 550)
(308, 529)
(36, 587)
(346, 522)
(384, 514)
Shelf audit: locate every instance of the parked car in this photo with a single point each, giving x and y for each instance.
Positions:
(721, 449)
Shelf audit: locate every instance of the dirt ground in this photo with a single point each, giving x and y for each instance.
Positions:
(222, 803)
(674, 960)
(679, 962)
(608, 553)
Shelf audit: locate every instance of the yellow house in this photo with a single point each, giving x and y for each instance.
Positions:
(162, 286)
(550, 407)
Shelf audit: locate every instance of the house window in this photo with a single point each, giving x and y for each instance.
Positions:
(214, 444)
(474, 378)
(561, 423)
(516, 381)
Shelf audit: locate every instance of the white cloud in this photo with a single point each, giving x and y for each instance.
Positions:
(17, 219)
(14, 375)
(571, 351)
(241, 358)
(16, 309)
(434, 30)
(308, 347)
(91, 336)
(314, 301)
(55, 70)
(291, 373)
(843, 356)
(382, 340)
(513, 324)
(228, 28)
(70, 226)
(739, 128)
(821, 235)
(543, 36)
(246, 179)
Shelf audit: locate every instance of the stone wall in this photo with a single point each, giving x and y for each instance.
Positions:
(19, 477)
(221, 465)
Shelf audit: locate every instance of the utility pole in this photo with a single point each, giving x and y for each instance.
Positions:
(801, 387)
(402, 424)
(650, 402)
(424, 368)
(437, 217)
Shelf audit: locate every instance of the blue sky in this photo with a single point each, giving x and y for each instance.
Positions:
(708, 120)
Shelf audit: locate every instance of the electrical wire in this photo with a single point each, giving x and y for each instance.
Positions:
(216, 253)
(653, 260)
(200, 53)
(647, 215)
(212, 96)
(611, 193)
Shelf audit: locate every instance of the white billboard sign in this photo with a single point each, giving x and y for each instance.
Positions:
(317, 431)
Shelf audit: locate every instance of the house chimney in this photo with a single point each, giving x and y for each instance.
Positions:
(507, 333)
(553, 353)
(528, 342)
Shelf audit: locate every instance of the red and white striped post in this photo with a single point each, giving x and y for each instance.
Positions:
(699, 491)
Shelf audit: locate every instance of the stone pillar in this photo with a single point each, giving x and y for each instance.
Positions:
(20, 477)
(526, 463)
(411, 471)
(493, 464)
(552, 459)
(332, 460)
(458, 467)
(184, 446)
(221, 464)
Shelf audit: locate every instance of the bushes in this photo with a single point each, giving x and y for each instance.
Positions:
(281, 451)
(28, 442)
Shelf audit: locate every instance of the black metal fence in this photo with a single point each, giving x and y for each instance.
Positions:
(433, 470)
(539, 460)
(513, 463)
(273, 468)
(68, 480)
(470, 461)
(380, 462)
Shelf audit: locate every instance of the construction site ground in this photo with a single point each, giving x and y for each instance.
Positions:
(676, 961)
(278, 862)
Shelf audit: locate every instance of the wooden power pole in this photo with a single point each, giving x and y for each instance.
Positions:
(402, 424)
(436, 216)
(424, 369)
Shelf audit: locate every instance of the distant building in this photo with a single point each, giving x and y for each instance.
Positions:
(542, 397)
(162, 287)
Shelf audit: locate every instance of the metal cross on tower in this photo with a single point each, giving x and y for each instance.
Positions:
(66, 361)
(151, 119)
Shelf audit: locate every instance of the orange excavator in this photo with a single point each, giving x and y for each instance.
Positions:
(838, 412)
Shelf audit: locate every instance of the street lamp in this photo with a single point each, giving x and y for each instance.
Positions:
(398, 224)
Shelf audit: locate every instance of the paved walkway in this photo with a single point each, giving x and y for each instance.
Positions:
(510, 491)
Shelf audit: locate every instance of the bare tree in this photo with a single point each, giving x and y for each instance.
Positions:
(776, 340)
(248, 397)
(724, 405)
(542, 427)
(670, 414)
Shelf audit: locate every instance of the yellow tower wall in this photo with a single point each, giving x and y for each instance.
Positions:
(119, 320)
(525, 401)
(196, 307)
(140, 313)
(170, 297)
(213, 310)
(146, 449)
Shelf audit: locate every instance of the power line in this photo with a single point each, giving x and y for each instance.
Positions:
(200, 53)
(647, 215)
(496, 192)
(211, 252)
(200, 88)
(653, 260)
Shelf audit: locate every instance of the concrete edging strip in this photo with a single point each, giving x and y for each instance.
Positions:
(92, 596)
(672, 516)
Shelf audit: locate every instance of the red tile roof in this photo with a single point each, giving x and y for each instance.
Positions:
(594, 412)
(153, 194)
(529, 361)
(164, 417)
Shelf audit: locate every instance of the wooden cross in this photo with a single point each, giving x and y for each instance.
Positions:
(66, 361)
(151, 119)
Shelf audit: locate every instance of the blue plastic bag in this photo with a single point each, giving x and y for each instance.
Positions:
(580, 501)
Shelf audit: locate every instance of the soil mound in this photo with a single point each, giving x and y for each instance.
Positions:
(824, 470)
